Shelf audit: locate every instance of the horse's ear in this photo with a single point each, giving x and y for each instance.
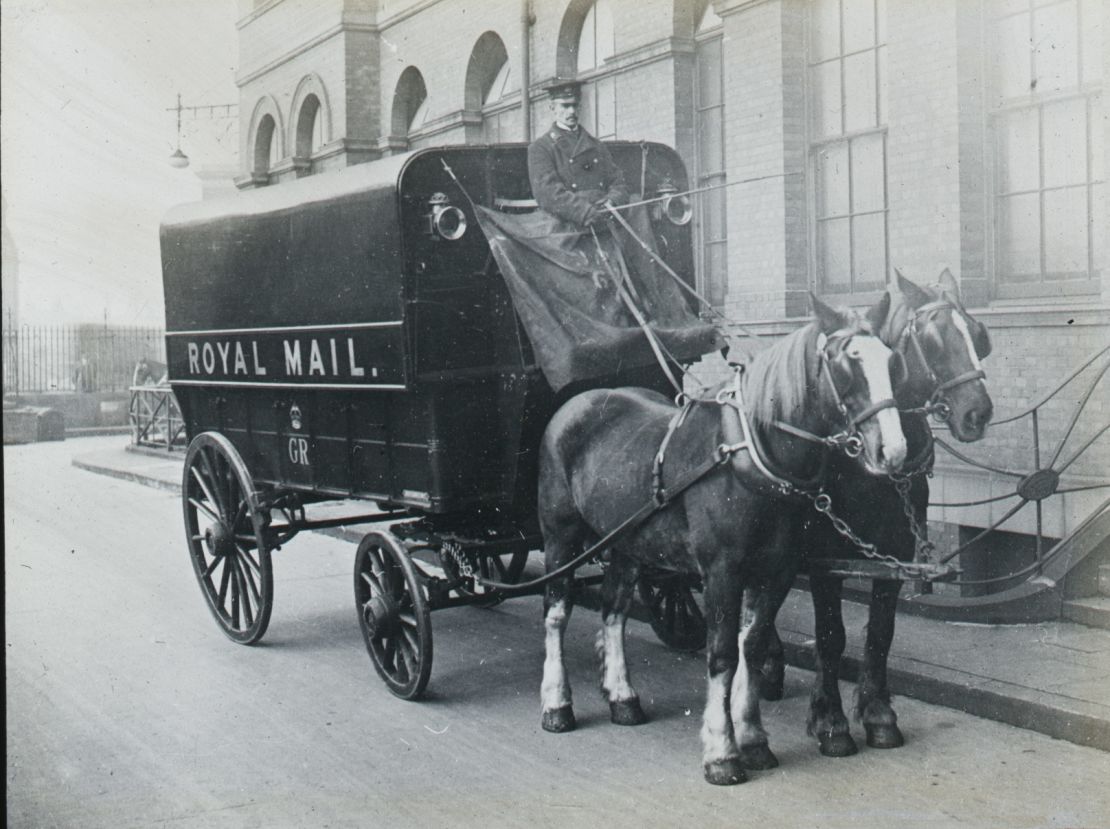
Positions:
(828, 318)
(877, 313)
(948, 283)
(915, 296)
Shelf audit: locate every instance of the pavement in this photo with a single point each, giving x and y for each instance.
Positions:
(1049, 677)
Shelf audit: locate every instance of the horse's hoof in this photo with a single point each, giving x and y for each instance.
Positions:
(884, 736)
(558, 720)
(758, 757)
(727, 772)
(836, 745)
(627, 712)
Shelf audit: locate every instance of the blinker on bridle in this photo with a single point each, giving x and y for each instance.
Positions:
(852, 442)
(937, 405)
(849, 439)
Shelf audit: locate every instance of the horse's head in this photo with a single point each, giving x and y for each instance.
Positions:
(855, 388)
(942, 346)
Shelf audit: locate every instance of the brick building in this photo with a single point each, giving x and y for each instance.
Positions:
(855, 136)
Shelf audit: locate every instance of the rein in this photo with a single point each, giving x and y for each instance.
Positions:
(731, 400)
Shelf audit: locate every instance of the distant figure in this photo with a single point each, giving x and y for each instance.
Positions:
(84, 375)
(149, 373)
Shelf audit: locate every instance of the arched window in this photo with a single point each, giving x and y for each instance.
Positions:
(709, 129)
(310, 127)
(489, 81)
(502, 84)
(410, 103)
(587, 39)
(597, 41)
(266, 150)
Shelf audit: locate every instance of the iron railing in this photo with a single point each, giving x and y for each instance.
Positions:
(94, 358)
(1036, 485)
(155, 418)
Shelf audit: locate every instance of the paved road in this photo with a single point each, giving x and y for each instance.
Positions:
(127, 707)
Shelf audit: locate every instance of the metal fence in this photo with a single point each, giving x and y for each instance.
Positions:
(155, 418)
(77, 357)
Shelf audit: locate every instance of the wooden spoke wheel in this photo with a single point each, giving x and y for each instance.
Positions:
(226, 536)
(393, 614)
(674, 612)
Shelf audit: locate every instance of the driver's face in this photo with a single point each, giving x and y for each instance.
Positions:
(566, 112)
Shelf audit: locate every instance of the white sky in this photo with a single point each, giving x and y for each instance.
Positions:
(86, 138)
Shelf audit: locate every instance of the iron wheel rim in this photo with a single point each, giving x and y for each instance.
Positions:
(400, 647)
(225, 534)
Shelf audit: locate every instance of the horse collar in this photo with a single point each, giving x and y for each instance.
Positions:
(749, 445)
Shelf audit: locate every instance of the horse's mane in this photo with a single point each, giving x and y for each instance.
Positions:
(777, 379)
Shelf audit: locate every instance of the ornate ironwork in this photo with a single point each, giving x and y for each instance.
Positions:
(1044, 481)
(155, 418)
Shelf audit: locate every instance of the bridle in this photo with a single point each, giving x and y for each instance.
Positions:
(910, 339)
(852, 421)
(849, 438)
(731, 399)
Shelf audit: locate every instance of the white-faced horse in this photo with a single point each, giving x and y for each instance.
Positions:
(941, 346)
(729, 499)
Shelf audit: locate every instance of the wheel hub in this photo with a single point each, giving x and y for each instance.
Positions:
(220, 540)
(379, 614)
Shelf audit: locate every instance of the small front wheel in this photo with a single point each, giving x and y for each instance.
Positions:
(393, 614)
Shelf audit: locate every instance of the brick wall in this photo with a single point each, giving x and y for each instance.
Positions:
(937, 177)
(765, 139)
(923, 165)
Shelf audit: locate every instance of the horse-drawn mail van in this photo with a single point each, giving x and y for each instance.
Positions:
(350, 336)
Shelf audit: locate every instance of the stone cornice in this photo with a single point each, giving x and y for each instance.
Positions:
(458, 118)
(256, 13)
(244, 78)
(402, 16)
(251, 180)
(724, 8)
(649, 53)
(510, 101)
(351, 18)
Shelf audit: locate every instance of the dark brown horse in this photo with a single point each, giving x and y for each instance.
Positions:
(942, 346)
(736, 527)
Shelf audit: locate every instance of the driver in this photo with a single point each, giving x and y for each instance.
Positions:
(573, 176)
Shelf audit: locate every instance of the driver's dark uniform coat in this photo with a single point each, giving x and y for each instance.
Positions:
(570, 172)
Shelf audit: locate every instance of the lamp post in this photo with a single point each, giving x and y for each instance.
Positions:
(178, 159)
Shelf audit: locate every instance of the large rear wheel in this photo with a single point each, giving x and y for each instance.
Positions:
(226, 536)
(393, 614)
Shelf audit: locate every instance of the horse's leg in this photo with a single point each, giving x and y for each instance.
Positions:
(558, 710)
(826, 710)
(616, 597)
(720, 755)
(755, 753)
(773, 673)
(872, 696)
